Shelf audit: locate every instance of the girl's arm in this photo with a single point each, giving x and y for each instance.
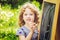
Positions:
(21, 37)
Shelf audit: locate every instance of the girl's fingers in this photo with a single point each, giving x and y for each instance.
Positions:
(32, 25)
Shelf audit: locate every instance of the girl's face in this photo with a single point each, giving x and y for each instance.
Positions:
(28, 16)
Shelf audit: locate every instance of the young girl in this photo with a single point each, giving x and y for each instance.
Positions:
(28, 20)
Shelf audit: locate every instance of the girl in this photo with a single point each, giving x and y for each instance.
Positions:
(28, 20)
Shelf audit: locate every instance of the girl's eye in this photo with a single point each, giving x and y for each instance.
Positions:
(25, 14)
(31, 14)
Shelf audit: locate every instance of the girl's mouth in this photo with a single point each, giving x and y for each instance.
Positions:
(28, 19)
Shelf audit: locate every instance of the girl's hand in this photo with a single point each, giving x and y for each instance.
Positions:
(32, 26)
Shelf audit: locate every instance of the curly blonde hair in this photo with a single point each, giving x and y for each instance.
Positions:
(33, 9)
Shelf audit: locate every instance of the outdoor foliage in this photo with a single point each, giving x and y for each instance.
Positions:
(9, 20)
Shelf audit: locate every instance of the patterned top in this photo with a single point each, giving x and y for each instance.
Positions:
(25, 31)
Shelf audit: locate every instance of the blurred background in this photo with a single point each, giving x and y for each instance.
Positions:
(9, 13)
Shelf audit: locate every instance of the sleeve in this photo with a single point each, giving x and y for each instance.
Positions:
(20, 32)
(35, 33)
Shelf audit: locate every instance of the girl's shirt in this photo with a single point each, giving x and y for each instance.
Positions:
(25, 31)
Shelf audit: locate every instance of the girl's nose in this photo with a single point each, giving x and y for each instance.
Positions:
(28, 16)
